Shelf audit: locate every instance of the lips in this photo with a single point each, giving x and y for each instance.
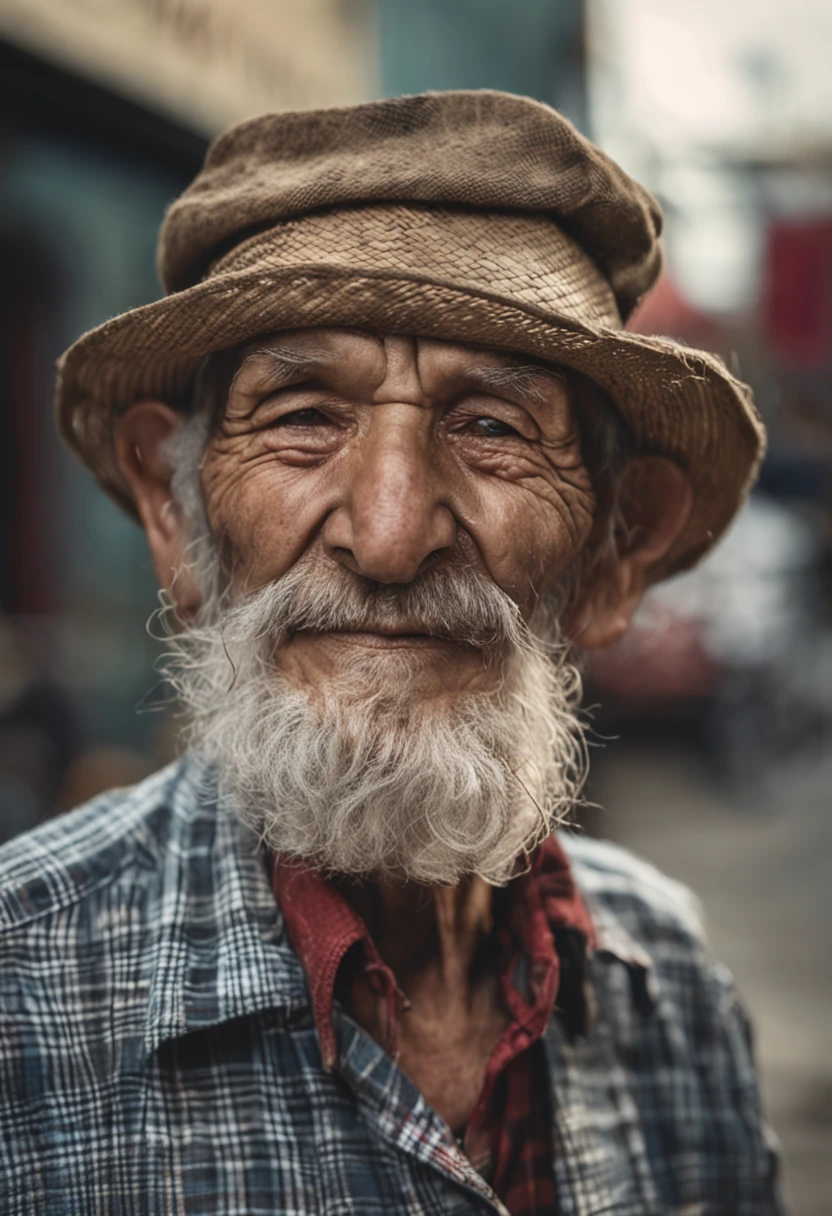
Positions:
(387, 638)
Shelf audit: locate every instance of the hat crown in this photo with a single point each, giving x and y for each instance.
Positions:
(470, 149)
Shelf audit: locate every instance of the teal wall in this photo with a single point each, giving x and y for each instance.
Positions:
(532, 47)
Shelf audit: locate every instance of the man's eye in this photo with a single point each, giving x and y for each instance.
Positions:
(492, 427)
(307, 417)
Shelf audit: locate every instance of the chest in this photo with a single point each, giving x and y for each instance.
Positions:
(241, 1117)
(445, 1047)
(448, 1058)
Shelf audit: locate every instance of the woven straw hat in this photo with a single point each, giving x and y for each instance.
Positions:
(477, 217)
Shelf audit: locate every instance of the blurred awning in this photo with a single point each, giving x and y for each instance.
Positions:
(205, 63)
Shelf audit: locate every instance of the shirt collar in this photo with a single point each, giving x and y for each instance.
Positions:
(613, 940)
(322, 927)
(221, 949)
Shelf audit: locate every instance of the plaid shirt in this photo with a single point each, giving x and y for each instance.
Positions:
(158, 1052)
(539, 916)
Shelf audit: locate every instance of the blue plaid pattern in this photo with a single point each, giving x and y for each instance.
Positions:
(158, 1053)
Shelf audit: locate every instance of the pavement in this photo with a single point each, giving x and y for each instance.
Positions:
(760, 859)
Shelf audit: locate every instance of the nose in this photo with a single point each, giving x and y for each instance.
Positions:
(392, 522)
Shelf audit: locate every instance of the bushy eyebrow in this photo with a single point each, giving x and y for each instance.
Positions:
(522, 379)
(282, 363)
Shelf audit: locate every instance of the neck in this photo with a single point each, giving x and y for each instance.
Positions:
(433, 939)
(427, 933)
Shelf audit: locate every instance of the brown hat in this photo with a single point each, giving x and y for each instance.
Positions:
(478, 217)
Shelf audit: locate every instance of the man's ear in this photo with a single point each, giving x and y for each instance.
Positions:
(140, 451)
(655, 503)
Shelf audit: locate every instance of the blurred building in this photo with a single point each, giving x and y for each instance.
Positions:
(107, 108)
(205, 63)
(725, 111)
(532, 47)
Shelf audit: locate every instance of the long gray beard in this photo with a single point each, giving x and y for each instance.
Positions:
(363, 779)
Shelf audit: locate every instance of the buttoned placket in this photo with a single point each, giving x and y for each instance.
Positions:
(600, 1157)
(399, 1114)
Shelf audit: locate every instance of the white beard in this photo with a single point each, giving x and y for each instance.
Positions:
(365, 780)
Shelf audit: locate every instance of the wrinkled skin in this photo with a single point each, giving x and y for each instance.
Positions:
(387, 455)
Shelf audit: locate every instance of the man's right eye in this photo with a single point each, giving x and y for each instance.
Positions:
(307, 417)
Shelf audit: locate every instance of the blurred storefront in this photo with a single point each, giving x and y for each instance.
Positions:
(205, 63)
(729, 120)
(106, 111)
(532, 47)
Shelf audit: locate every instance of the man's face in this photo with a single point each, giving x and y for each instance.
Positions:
(384, 515)
(390, 456)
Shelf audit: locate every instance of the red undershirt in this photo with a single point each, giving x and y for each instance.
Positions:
(542, 930)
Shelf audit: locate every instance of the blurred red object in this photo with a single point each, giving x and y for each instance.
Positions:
(797, 292)
(650, 668)
(666, 311)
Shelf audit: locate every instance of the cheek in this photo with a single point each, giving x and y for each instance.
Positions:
(528, 539)
(263, 516)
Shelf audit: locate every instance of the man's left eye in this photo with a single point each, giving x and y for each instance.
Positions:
(492, 427)
(307, 417)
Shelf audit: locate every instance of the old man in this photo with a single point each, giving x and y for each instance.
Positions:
(398, 465)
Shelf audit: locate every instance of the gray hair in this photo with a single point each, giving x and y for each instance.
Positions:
(359, 778)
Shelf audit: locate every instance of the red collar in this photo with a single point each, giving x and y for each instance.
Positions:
(322, 927)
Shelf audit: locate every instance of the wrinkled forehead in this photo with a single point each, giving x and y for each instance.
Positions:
(361, 361)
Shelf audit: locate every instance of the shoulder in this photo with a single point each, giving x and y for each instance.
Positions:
(65, 860)
(617, 883)
(675, 1018)
(654, 925)
(644, 918)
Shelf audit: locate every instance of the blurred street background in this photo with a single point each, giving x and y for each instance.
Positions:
(713, 720)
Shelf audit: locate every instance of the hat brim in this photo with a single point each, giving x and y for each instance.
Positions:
(677, 402)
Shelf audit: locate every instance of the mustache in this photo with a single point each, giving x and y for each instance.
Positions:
(454, 602)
